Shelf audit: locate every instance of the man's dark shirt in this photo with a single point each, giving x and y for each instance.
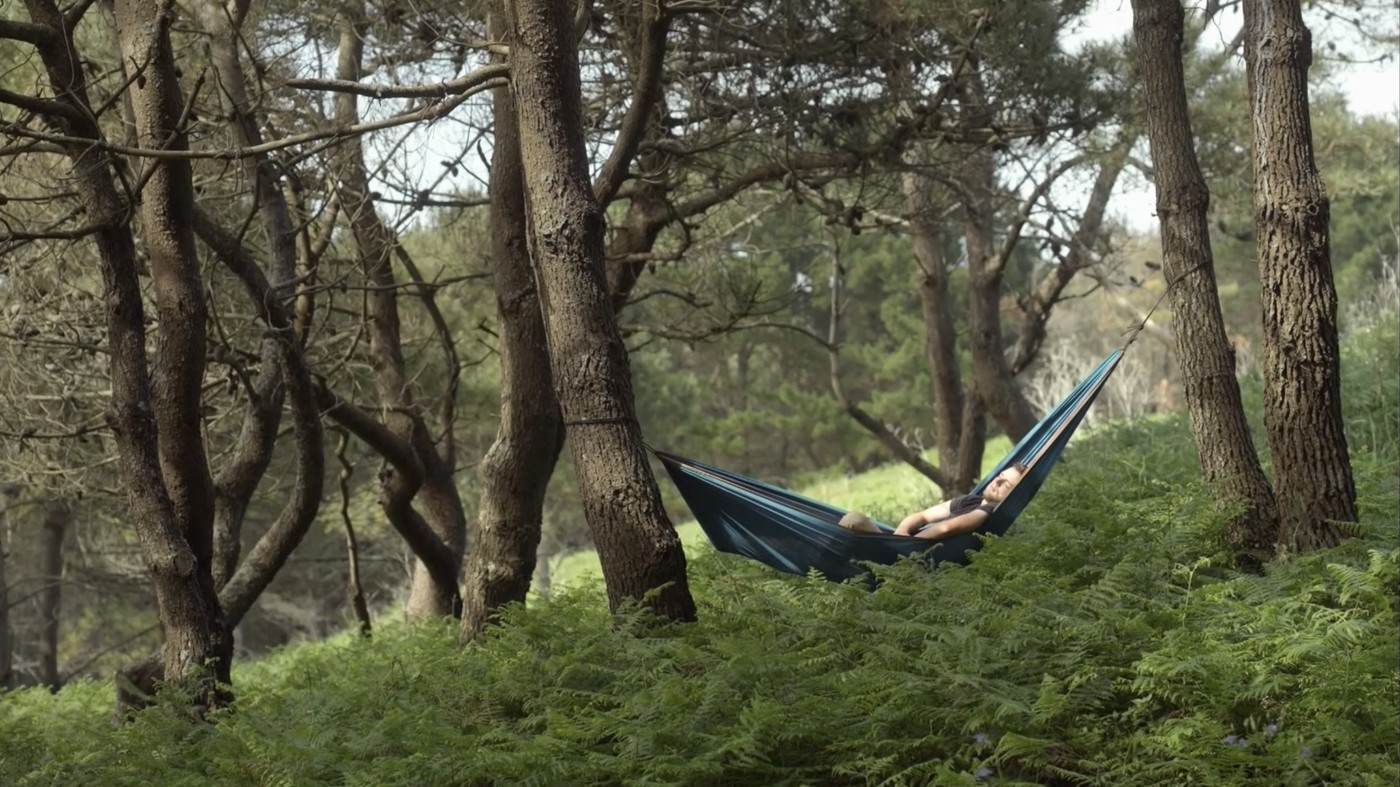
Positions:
(964, 504)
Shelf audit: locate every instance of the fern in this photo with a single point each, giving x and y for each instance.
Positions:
(1101, 643)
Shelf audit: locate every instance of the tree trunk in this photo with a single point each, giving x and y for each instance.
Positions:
(991, 373)
(887, 436)
(1228, 458)
(7, 634)
(56, 521)
(246, 579)
(940, 331)
(640, 553)
(238, 479)
(973, 442)
(516, 469)
(167, 416)
(635, 236)
(435, 491)
(526, 444)
(1301, 365)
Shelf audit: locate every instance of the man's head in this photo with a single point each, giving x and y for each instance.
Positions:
(858, 522)
(1005, 481)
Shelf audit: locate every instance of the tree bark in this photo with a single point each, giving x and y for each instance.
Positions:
(168, 414)
(640, 553)
(972, 444)
(1206, 360)
(940, 331)
(249, 577)
(238, 479)
(516, 469)
(990, 371)
(7, 633)
(635, 236)
(56, 521)
(196, 642)
(1301, 365)
(435, 491)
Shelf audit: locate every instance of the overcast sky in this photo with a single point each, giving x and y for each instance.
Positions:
(1371, 88)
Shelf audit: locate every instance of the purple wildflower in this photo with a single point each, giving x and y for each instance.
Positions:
(1270, 730)
(982, 739)
(1231, 739)
(1244, 742)
(983, 773)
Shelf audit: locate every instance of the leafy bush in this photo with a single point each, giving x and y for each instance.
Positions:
(1103, 642)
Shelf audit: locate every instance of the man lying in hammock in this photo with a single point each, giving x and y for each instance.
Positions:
(959, 515)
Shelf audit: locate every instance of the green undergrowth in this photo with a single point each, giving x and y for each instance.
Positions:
(1104, 641)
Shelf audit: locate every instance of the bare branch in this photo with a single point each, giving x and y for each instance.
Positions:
(644, 97)
(432, 111)
(1078, 256)
(28, 32)
(426, 292)
(48, 107)
(466, 84)
(882, 432)
(1018, 225)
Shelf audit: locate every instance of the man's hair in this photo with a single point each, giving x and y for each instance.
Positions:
(858, 522)
(1020, 467)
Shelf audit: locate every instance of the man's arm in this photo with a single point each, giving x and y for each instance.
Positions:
(958, 524)
(920, 518)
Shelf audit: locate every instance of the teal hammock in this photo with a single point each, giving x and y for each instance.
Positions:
(797, 534)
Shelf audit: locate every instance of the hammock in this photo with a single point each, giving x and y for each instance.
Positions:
(796, 534)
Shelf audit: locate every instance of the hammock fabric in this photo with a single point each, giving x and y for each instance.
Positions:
(796, 534)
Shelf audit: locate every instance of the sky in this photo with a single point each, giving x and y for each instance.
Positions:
(1371, 89)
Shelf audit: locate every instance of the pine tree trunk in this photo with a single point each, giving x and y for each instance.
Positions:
(972, 445)
(940, 333)
(1301, 365)
(156, 427)
(637, 545)
(7, 633)
(991, 372)
(435, 492)
(1207, 362)
(237, 480)
(56, 521)
(240, 582)
(178, 515)
(635, 235)
(516, 469)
